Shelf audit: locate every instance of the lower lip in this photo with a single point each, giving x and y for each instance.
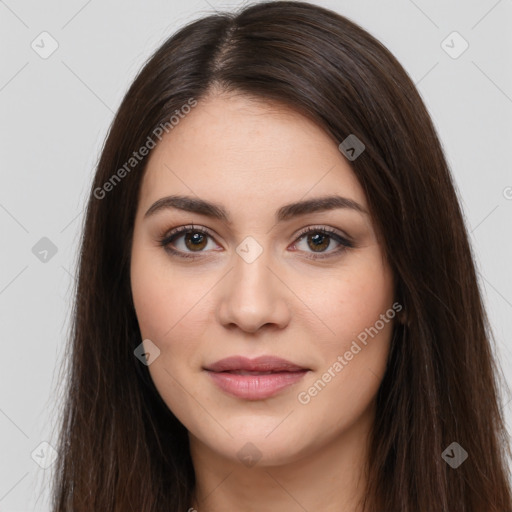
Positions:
(255, 387)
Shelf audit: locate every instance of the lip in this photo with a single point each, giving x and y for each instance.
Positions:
(242, 377)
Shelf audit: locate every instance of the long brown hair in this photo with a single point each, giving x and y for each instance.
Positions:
(121, 448)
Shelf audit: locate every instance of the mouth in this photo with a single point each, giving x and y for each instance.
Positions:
(255, 379)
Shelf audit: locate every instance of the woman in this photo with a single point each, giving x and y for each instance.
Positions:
(277, 306)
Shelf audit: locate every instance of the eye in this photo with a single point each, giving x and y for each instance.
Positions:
(186, 240)
(194, 239)
(319, 239)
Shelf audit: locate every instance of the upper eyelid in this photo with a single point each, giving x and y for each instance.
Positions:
(319, 227)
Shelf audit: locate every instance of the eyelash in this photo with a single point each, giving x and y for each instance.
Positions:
(171, 236)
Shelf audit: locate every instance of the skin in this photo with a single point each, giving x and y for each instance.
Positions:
(252, 158)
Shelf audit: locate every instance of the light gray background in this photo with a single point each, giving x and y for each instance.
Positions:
(55, 113)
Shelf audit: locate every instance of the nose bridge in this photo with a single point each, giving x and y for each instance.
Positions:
(251, 267)
(252, 295)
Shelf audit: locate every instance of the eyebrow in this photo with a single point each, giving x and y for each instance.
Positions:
(217, 211)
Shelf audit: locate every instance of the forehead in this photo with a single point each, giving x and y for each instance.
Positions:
(241, 151)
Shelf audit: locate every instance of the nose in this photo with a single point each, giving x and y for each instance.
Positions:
(253, 295)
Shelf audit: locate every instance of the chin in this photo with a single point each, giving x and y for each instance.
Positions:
(256, 444)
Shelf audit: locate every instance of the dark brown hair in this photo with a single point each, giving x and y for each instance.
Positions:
(121, 449)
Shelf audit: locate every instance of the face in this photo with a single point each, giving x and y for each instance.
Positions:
(305, 284)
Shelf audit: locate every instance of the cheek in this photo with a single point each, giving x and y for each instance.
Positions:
(352, 299)
(176, 323)
(355, 349)
(164, 299)
(168, 313)
(172, 316)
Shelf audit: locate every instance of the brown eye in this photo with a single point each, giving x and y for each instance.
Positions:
(318, 241)
(185, 240)
(195, 240)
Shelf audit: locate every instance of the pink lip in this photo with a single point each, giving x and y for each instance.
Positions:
(226, 374)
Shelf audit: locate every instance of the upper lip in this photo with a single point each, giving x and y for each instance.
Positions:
(259, 364)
